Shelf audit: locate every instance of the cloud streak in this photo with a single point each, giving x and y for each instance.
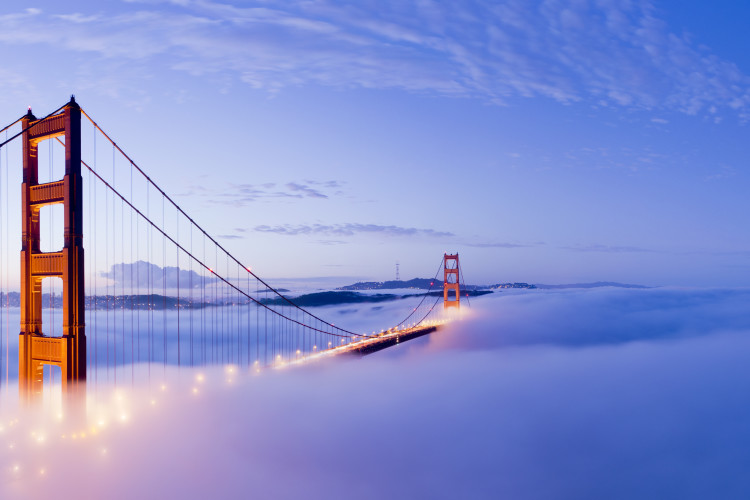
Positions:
(607, 249)
(499, 245)
(239, 195)
(350, 229)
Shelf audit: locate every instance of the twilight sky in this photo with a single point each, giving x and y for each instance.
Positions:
(554, 141)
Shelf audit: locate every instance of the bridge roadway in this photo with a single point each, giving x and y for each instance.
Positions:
(375, 343)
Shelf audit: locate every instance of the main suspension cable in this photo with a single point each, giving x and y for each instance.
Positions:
(218, 245)
(218, 276)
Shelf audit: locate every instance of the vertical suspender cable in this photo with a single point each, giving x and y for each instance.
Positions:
(93, 272)
(192, 308)
(3, 272)
(106, 254)
(164, 284)
(7, 264)
(178, 289)
(132, 290)
(114, 270)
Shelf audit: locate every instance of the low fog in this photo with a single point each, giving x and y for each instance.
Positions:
(604, 393)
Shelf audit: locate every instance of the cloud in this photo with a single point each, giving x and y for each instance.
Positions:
(239, 195)
(350, 229)
(604, 316)
(607, 248)
(331, 242)
(605, 53)
(304, 190)
(499, 245)
(239, 233)
(650, 415)
(723, 172)
(141, 274)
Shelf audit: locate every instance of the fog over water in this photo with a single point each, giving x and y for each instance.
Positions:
(604, 393)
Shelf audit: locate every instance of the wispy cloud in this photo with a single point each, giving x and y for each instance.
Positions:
(607, 249)
(721, 173)
(332, 242)
(242, 194)
(237, 234)
(500, 245)
(350, 229)
(606, 53)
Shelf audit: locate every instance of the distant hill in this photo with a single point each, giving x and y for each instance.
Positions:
(596, 284)
(512, 285)
(417, 283)
(332, 298)
(348, 297)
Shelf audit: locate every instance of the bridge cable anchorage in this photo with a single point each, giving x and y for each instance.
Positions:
(216, 243)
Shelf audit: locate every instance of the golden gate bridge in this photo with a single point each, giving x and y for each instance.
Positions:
(172, 294)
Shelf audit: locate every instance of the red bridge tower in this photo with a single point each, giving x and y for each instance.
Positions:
(451, 291)
(34, 348)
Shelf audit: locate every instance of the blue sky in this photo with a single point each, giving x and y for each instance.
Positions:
(556, 141)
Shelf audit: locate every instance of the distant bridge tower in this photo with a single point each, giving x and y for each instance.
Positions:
(34, 348)
(451, 292)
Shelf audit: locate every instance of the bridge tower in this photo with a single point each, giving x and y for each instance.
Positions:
(451, 291)
(35, 349)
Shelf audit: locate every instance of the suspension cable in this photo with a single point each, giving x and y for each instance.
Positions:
(221, 278)
(423, 298)
(248, 269)
(9, 126)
